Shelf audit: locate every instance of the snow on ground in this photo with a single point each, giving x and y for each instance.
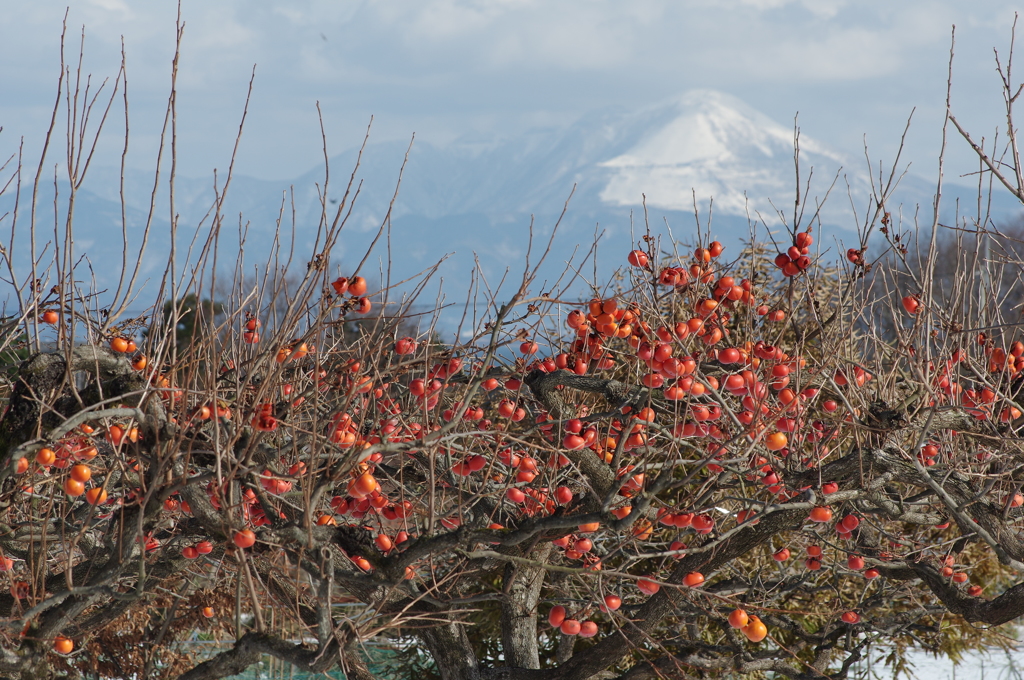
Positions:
(995, 665)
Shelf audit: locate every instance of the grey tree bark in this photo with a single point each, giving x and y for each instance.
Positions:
(519, 611)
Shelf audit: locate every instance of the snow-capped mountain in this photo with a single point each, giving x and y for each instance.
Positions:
(475, 198)
(703, 142)
(712, 145)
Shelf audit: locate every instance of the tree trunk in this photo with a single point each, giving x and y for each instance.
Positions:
(519, 611)
(452, 652)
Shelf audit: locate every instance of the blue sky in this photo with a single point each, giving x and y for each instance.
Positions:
(444, 68)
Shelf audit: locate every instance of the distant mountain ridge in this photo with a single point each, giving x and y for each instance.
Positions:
(479, 196)
(714, 145)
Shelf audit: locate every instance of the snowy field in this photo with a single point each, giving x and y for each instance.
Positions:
(997, 665)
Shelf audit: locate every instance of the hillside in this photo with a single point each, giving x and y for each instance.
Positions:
(478, 196)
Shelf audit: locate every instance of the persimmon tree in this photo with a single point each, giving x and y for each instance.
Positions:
(718, 463)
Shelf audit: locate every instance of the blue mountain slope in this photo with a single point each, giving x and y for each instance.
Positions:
(474, 199)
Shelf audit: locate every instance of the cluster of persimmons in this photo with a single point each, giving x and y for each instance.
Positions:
(726, 398)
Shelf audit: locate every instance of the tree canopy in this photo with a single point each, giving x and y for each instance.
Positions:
(727, 460)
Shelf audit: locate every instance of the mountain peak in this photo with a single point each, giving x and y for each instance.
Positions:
(716, 145)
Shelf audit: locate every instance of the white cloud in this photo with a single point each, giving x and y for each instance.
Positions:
(496, 65)
(824, 9)
(846, 54)
(112, 6)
